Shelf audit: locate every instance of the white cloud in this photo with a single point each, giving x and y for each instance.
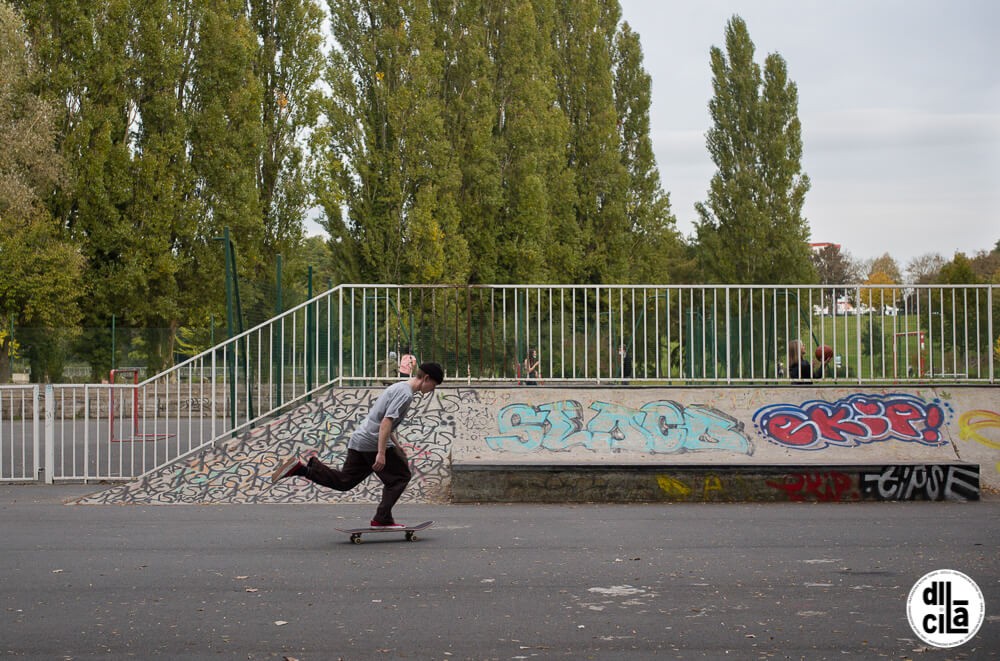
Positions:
(879, 128)
(899, 102)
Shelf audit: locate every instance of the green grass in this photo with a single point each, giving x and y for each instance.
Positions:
(843, 333)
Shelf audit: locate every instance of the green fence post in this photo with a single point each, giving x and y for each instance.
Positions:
(230, 325)
(310, 334)
(277, 357)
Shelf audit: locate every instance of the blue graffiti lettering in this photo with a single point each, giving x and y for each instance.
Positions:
(662, 427)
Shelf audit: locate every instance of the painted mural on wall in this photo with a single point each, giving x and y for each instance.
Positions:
(895, 482)
(240, 471)
(982, 427)
(657, 427)
(933, 482)
(855, 420)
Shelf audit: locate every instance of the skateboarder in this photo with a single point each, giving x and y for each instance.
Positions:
(373, 447)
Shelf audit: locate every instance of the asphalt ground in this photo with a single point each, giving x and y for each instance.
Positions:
(739, 581)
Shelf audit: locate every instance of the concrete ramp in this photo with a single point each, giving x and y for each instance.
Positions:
(239, 471)
(623, 444)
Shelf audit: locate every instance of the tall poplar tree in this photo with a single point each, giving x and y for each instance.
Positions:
(39, 266)
(464, 33)
(499, 142)
(385, 142)
(82, 47)
(654, 243)
(226, 131)
(288, 65)
(751, 228)
(174, 282)
(537, 240)
(583, 34)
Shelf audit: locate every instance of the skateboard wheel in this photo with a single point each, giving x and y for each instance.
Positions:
(411, 536)
(356, 539)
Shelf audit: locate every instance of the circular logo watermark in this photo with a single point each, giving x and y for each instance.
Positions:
(945, 608)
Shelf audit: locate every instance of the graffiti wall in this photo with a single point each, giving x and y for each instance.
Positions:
(712, 425)
(899, 443)
(912, 433)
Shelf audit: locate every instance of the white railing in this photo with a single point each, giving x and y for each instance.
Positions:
(20, 434)
(608, 335)
(680, 334)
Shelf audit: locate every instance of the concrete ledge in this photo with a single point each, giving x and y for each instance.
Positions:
(635, 483)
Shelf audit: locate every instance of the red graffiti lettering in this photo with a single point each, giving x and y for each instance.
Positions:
(853, 421)
(823, 486)
(791, 430)
(836, 424)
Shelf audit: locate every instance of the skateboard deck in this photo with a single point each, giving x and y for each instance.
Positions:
(410, 531)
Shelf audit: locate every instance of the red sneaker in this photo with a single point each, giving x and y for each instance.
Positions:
(385, 526)
(288, 468)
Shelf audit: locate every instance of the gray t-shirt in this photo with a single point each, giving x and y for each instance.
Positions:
(393, 403)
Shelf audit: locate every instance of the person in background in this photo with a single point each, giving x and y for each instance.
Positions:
(531, 364)
(625, 364)
(799, 368)
(407, 362)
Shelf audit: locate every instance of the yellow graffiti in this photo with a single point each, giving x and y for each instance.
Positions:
(673, 487)
(712, 483)
(972, 422)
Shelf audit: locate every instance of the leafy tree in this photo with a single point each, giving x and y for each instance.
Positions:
(178, 119)
(514, 148)
(655, 245)
(81, 46)
(166, 264)
(106, 64)
(751, 228)
(958, 271)
(225, 126)
(288, 65)
(583, 33)
(956, 317)
(385, 144)
(986, 265)
(886, 265)
(537, 239)
(39, 266)
(833, 267)
(924, 269)
(879, 294)
(465, 34)
(281, 62)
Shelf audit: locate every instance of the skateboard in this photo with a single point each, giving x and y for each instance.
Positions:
(411, 531)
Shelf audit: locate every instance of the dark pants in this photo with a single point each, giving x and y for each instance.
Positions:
(358, 466)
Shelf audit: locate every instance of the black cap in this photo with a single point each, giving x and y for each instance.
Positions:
(434, 371)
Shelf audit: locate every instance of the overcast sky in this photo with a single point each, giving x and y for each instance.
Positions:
(899, 103)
